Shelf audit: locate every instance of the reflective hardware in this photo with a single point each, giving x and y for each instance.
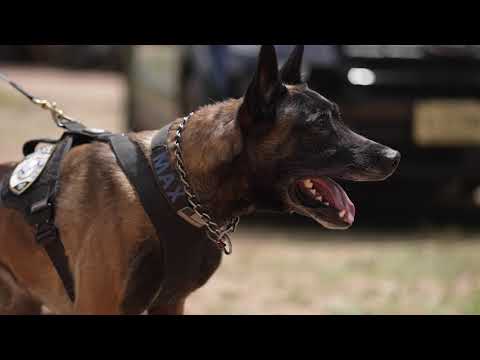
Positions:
(189, 215)
(220, 235)
(30, 169)
(58, 115)
(95, 131)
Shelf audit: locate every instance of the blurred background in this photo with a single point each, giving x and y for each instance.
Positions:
(415, 245)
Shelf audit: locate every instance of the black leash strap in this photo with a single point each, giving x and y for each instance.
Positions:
(17, 87)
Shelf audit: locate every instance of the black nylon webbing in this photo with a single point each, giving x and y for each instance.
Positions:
(182, 244)
(185, 247)
(38, 207)
(43, 213)
(48, 235)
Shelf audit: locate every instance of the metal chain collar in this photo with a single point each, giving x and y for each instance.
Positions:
(220, 235)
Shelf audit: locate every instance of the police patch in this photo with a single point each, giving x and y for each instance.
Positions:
(30, 169)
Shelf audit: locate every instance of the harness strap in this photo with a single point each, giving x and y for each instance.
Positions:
(43, 213)
(187, 247)
(186, 250)
(47, 235)
(182, 244)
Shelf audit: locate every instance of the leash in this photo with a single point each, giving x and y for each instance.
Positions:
(58, 115)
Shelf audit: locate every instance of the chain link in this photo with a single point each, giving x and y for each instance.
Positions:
(220, 235)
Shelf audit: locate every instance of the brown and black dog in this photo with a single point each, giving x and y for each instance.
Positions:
(277, 148)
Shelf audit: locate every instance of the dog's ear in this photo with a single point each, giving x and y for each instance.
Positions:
(259, 100)
(291, 70)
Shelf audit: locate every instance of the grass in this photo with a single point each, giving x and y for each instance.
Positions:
(321, 272)
(472, 305)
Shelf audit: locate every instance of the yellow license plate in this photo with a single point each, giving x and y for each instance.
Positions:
(446, 123)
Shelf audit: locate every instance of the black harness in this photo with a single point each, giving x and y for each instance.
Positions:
(183, 239)
(159, 189)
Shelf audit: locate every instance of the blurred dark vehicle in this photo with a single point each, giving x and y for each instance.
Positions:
(420, 99)
(100, 57)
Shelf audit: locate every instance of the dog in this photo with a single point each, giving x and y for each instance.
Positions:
(279, 148)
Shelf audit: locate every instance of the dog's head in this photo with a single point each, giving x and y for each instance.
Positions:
(297, 145)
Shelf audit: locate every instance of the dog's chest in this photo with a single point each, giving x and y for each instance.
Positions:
(146, 275)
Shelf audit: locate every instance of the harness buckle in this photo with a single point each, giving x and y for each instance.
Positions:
(42, 211)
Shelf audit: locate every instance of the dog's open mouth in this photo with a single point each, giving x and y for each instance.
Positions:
(324, 200)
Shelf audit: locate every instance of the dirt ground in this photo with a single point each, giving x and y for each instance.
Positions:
(277, 269)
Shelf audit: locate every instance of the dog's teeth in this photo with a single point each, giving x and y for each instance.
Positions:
(342, 213)
(308, 184)
(319, 198)
(327, 204)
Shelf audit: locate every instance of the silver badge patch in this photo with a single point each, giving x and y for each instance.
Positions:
(30, 169)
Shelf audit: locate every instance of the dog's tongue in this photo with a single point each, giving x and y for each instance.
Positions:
(336, 196)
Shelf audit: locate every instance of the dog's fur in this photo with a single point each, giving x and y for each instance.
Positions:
(241, 155)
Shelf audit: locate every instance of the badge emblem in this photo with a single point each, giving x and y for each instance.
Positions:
(30, 169)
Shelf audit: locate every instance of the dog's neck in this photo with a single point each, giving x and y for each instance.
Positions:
(212, 145)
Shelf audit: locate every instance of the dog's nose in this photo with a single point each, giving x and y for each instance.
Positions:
(391, 159)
